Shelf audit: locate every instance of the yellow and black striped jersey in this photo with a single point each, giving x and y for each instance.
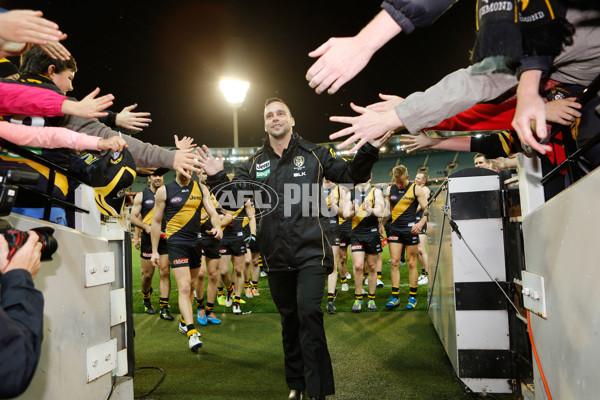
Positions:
(235, 229)
(403, 206)
(147, 206)
(363, 222)
(147, 210)
(182, 213)
(206, 224)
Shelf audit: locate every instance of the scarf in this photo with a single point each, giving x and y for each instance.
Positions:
(517, 28)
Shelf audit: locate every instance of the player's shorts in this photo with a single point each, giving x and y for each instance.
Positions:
(210, 247)
(388, 228)
(146, 247)
(345, 239)
(404, 237)
(235, 247)
(185, 255)
(370, 243)
(334, 235)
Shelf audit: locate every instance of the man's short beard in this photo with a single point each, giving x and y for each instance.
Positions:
(277, 136)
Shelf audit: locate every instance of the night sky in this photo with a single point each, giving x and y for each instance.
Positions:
(169, 57)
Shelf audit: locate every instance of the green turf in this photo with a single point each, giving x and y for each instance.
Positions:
(392, 355)
(379, 354)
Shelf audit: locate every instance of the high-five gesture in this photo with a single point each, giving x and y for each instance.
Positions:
(184, 143)
(368, 126)
(135, 121)
(389, 102)
(28, 26)
(90, 106)
(341, 59)
(208, 162)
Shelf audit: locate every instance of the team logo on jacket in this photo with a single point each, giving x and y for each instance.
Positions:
(263, 166)
(149, 201)
(393, 197)
(176, 200)
(263, 174)
(299, 162)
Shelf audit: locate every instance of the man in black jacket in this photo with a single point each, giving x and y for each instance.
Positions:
(21, 316)
(285, 178)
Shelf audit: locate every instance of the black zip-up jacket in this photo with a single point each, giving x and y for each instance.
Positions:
(294, 229)
(21, 331)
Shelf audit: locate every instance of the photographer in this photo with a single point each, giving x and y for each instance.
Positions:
(21, 315)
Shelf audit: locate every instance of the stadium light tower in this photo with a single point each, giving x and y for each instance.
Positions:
(235, 93)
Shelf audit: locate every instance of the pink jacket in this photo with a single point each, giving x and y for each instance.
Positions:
(16, 99)
(33, 101)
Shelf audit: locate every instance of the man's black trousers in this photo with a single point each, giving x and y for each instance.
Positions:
(298, 295)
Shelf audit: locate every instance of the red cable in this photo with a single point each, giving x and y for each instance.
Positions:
(537, 360)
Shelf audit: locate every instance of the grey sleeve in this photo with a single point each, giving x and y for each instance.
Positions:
(578, 63)
(144, 154)
(455, 93)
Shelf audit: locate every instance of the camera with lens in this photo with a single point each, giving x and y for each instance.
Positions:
(9, 178)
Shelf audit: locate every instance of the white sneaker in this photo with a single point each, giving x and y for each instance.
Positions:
(237, 309)
(348, 276)
(367, 281)
(194, 342)
(182, 328)
(248, 292)
(379, 283)
(263, 274)
(229, 300)
(345, 287)
(423, 280)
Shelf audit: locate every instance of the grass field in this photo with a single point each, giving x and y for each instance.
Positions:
(378, 354)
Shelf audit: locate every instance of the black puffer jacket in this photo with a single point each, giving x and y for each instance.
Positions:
(294, 231)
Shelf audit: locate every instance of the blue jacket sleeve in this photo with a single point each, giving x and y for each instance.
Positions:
(21, 331)
(412, 14)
